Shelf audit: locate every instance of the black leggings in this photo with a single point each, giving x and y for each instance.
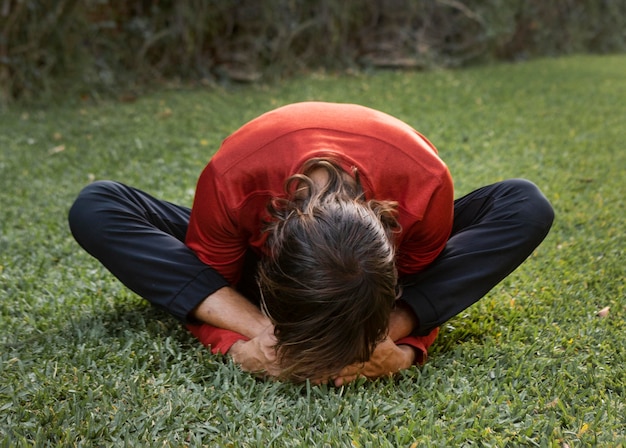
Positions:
(140, 239)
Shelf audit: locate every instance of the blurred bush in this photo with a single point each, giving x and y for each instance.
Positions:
(99, 46)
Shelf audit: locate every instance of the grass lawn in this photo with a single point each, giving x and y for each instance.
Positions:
(85, 362)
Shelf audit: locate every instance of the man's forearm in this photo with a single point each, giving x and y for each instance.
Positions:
(228, 309)
(402, 321)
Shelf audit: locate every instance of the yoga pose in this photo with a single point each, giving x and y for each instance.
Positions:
(324, 243)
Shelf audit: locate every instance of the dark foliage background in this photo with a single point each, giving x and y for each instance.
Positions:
(112, 46)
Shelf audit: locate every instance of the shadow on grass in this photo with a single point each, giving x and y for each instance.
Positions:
(131, 334)
(124, 321)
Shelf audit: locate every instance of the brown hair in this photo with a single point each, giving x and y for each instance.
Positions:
(329, 281)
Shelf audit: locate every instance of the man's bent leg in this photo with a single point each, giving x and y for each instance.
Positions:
(141, 241)
(495, 229)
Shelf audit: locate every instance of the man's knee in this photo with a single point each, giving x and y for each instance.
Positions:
(534, 206)
(85, 217)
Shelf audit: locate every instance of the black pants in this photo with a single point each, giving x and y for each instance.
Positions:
(140, 239)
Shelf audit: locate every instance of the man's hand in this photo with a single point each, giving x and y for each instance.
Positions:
(387, 359)
(258, 355)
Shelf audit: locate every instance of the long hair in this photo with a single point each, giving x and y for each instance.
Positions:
(329, 281)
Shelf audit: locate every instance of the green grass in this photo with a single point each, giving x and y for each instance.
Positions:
(85, 362)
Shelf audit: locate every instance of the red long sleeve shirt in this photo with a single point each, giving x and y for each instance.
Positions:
(394, 162)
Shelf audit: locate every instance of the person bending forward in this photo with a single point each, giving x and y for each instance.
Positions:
(324, 243)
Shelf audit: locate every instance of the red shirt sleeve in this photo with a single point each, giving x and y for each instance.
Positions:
(420, 344)
(218, 339)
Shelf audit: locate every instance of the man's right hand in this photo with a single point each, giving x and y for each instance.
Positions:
(258, 355)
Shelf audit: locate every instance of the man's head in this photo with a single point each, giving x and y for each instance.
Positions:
(329, 281)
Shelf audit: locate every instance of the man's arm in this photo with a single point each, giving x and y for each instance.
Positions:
(228, 309)
(402, 321)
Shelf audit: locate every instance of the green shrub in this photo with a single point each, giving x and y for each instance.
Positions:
(48, 45)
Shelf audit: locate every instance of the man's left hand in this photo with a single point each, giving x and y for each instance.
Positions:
(387, 359)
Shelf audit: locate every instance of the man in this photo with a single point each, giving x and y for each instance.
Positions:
(324, 243)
